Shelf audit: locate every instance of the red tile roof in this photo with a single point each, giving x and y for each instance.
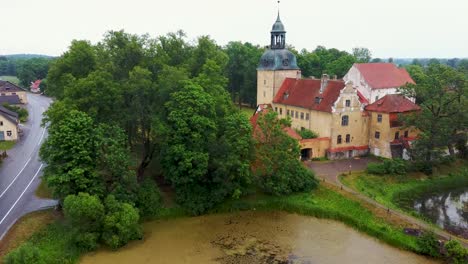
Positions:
(362, 99)
(35, 84)
(6, 86)
(302, 93)
(393, 103)
(383, 75)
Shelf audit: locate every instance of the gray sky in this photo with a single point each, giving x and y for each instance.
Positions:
(389, 28)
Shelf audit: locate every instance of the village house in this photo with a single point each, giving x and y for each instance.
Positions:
(352, 117)
(10, 89)
(35, 86)
(8, 125)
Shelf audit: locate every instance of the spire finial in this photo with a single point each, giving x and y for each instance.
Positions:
(278, 11)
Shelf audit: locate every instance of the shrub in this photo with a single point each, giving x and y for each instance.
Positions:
(84, 212)
(389, 166)
(22, 113)
(26, 254)
(306, 133)
(456, 252)
(288, 179)
(148, 198)
(86, 240)
(428, 244)
(120, 223)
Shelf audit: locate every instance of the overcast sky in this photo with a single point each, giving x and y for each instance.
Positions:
(389, 28)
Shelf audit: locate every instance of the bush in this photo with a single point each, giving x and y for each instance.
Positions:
(306, 133)
(288, 179)
(22, 113)
(456, 252)
(428, 244)
(84, 212)
(120, 223)
(148, 199)
(26, 254)
(389, 166)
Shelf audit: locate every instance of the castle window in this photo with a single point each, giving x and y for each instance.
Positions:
(348, 103)
(287, 112)
(264, 94)
(292, 113)
(264, 82)
(406, 133)
(377, 98)
(377, 134)
(302, 116)
(344, 120)
(348, 138)
(338, 140)
(307, 116)
(317, 100)
(297, 114)
(276, 109)
(397, 135)
(379, 118)
(281, 111)
(1, 123)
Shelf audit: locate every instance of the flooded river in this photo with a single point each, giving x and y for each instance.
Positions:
(253, 237)
(448, 210)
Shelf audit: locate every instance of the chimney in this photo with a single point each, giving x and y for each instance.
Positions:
(324, 82)
(298, 75)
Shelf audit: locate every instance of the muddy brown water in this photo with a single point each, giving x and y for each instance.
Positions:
(253, 237)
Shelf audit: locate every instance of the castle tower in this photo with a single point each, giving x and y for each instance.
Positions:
(276, 64)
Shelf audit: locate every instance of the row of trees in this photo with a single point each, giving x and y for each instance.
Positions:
(27, 69)
(131, 101)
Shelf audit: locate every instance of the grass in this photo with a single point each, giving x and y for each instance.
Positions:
(397, 191)
(43, 191)
(12, 79)
(24, 228)
(55, 245)
(7, 145)
(247, 111)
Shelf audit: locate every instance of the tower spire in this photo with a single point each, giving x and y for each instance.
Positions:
(278, 33)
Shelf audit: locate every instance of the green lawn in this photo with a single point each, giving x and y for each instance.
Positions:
(12, 79)
(247, 111)
(7, 145)
(395, 191)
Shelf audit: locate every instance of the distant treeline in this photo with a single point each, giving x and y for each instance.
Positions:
(27, 67)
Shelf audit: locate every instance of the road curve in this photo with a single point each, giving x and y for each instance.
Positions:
(20, 173)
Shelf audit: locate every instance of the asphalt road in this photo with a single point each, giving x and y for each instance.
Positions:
(20, 173)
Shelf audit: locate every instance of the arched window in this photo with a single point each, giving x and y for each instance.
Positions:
(338, 140)
(344, 120)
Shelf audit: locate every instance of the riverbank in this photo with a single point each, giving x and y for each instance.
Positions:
(54, 243)
(398, 192)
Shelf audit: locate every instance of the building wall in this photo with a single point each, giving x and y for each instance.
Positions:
(21, 95)
(319, 146)
(357, 127)
(5, 126)
(381, 146)
(269, 82)
(319, 122)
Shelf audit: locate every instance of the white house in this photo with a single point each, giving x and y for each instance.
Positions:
(375, 80)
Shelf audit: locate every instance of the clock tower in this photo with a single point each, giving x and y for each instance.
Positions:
(276, 64)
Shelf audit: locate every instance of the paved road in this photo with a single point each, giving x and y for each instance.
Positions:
(329, 171)
(20, 173)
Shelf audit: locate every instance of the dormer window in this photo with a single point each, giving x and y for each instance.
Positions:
(317, 100)
(285, 96)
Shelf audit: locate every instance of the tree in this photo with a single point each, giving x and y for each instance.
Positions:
(441, 92)
(77, 62)
(32, 69)
(70, 156)
(362, 55)
(277, 167)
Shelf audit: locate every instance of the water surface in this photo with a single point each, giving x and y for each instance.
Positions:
(449, 210)
(254, 237)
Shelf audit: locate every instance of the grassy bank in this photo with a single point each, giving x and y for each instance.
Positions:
(7, 145)
(25, 228)
(54, 243)
(396, 191)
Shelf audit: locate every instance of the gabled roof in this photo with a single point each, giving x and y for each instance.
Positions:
(35, 84)
(6, 86)
(10, 115)
(302, 93)
(393, 103)
(383, 75)
(10, 99)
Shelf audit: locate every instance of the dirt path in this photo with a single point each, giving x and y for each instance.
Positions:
(329, 172)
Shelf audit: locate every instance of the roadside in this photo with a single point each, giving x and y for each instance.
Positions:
(329, 172)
